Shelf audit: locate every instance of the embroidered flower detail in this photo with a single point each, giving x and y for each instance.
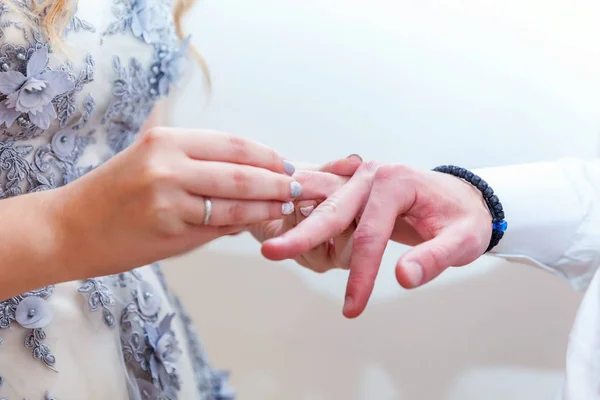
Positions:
(165, 353)
(100, 296)
(34, 340)
(148, 20)
(169, 68)
(32, 94)
(148, 301)
(33, 313)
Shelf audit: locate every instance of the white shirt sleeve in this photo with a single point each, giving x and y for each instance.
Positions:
(553, 215)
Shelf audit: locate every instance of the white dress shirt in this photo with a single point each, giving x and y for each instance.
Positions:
(553, 215)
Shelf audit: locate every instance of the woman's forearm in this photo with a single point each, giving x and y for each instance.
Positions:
(31, 244)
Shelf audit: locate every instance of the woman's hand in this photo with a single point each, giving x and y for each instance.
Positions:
(148, 202)
(445, 219)
(321, 183)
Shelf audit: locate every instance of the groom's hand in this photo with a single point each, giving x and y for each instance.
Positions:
(443, 217)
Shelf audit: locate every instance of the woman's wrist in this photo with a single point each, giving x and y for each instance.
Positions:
(32, 244)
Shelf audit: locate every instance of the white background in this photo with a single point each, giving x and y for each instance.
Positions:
(473, 82)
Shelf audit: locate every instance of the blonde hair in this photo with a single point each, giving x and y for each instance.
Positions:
(54, 15)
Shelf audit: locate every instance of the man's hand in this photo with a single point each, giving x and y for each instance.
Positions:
(444, 218)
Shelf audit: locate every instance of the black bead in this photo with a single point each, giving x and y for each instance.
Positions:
(482, 185)
(488, 192)
(461, 172)
(475, 180)
(469, 176)
(500, 215)
(493, 200)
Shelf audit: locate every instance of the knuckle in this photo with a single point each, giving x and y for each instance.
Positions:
(364, 237)
(327, 208)
(241, 181)
(237, 212)
(239, 147)
(369, 166)
(156, 136)
(439, 255)
(390, 171)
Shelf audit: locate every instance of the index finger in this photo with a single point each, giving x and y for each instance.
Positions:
(219, 146)
(328, 220)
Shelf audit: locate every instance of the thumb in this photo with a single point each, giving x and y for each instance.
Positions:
(424, 262)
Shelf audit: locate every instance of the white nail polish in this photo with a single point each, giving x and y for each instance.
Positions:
(295, 189)
(306, 211)
(287, 208)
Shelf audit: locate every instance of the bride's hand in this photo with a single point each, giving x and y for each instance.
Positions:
(148, 202)
(320, 183)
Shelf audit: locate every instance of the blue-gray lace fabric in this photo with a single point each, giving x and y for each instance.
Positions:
(64, 112)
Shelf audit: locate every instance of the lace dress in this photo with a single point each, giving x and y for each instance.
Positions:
(62, 113)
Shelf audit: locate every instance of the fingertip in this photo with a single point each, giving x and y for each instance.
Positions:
(278, 249)
(355, 161)
(409, 275)
(272, 249)
(348, 309)
(352, 308)
(344, 166)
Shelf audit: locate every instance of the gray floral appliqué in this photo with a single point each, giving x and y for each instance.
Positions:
(31, 311)
(32, 94)
(100, 296)
(145, 18)
(169, 68)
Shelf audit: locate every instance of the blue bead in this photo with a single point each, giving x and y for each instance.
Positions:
(500, 226)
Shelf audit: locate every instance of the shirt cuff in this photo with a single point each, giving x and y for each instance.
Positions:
(547, 208)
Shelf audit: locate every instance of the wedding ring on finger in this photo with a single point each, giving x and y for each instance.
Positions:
(207, 211)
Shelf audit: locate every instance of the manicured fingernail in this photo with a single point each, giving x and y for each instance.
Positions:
(414, 273)
(287, 208)
(295, 190)
(288, 167)
(355, 155)
(306, 210)
(348, 304)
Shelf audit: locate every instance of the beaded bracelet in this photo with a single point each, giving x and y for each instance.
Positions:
(499, 225)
